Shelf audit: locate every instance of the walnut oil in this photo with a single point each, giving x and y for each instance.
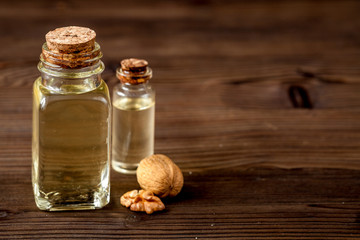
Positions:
(71, 124)
(133, 116)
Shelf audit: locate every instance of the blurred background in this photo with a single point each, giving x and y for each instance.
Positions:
(164, 32)
(235, 34)
(192, 40)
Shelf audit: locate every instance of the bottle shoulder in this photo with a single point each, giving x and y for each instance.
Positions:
(67, 90)
(43, 95)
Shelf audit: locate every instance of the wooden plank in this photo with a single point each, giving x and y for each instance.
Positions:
(267, 203)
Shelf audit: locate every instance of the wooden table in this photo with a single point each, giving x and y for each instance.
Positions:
(257, 102)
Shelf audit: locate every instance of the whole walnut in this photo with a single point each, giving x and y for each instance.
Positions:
(160, 175)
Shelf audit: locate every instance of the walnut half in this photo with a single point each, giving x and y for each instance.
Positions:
(143, 201)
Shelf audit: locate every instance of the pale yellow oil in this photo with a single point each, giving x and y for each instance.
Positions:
(132, 133)
(71, 148)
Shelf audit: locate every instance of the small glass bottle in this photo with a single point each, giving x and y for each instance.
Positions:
(71, 124)
(133, 116)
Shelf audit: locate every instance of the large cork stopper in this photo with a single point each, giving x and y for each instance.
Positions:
(71, 47)
(71, 40)
(134, 71)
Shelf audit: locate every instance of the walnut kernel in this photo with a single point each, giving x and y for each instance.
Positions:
(142, 201)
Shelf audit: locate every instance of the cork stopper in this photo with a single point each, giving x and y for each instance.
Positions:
(71, 40)
(71, 47)
(134, 65)
(134, 71)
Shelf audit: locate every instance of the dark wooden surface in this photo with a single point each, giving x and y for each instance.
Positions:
(258, 102)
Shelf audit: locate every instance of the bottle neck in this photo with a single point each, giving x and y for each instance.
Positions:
(136, 87)
(60, 78)
(134, 78)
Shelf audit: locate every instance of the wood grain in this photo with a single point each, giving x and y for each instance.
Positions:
(257, 101)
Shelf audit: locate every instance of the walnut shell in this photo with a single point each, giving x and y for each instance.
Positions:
(160, 175)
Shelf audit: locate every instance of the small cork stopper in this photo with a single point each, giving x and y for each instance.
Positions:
(134, 71)
(134, 65)
(71, 39)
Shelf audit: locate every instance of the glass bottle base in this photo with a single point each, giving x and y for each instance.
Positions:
(54, 202)
(66, 207)
(124, 167)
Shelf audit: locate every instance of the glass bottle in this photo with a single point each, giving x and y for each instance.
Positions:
(71, 131)
(133, 116)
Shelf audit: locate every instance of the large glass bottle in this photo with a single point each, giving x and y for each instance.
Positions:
(133, 116)
(71, 130)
